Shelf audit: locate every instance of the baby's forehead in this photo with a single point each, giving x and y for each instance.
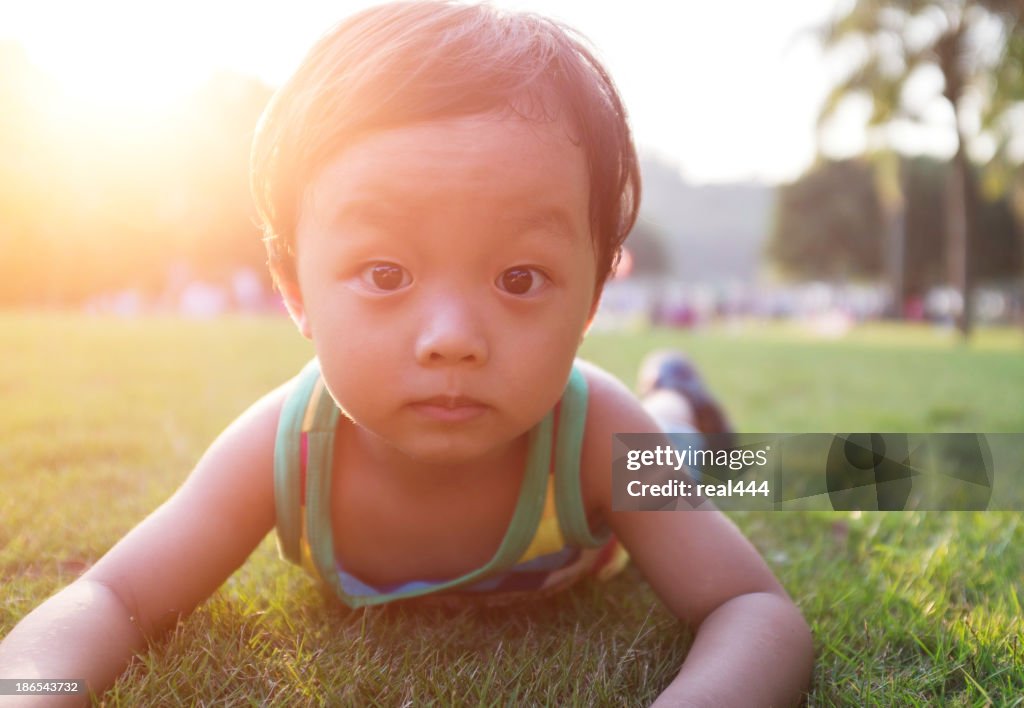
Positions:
(499, 160)
(506, 137)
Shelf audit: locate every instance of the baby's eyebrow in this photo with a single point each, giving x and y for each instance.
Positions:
(519, 215)
(552, 219)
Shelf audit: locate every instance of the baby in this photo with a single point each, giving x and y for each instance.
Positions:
(445, 189)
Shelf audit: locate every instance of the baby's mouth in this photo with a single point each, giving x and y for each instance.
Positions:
(449, 401)
(449, 408)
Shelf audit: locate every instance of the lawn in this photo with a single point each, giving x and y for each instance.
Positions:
(102, 419)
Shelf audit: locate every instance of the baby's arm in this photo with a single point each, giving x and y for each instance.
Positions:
(161, 569)
(752, 646)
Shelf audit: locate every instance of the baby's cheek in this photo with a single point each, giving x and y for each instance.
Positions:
(546, 370)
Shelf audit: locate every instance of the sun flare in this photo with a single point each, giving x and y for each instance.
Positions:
(114, 57)
(118, 75)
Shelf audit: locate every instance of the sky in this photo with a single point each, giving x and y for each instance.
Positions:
(725, 91)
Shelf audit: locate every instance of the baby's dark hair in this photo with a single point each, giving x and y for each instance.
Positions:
(412, 62)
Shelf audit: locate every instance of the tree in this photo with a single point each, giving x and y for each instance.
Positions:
(1004, 117)
(966, 43)
(827, 224)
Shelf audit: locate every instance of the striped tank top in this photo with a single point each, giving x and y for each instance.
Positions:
(547, 546)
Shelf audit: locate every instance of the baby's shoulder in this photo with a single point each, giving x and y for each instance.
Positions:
(255, 429)
(241, 458)
(611, 408)
(610, 404)
(242, 455)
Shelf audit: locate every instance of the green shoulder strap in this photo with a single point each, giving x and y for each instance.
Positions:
(572, 419)
(288, 462)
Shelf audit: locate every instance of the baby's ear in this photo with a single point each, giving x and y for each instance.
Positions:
(292, 296)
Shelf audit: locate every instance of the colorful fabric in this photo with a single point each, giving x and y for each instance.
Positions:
(547, 547)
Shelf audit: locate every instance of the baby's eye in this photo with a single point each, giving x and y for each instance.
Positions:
(521, 280)
(385, 276)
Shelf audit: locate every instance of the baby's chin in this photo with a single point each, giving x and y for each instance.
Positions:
(454, 450)
(440, 450)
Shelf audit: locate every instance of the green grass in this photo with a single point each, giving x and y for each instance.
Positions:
(103, 419)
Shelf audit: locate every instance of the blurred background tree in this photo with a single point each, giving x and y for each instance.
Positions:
(828, 225)
(973, 46)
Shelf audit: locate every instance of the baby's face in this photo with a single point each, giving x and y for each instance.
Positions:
(446, 275)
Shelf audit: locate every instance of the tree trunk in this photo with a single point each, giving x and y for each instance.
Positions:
(959, 203)
(890, 189)
(1017, 203)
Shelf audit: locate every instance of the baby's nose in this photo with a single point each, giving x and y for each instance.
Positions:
(451, 332)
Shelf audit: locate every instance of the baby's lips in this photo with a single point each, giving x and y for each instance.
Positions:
(449, 409)
(450, 401)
